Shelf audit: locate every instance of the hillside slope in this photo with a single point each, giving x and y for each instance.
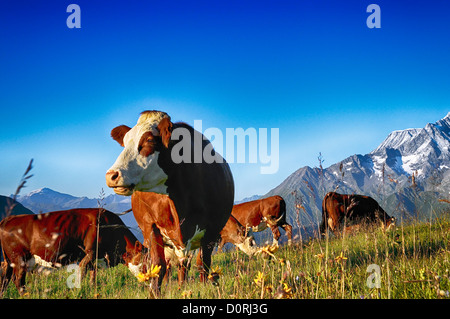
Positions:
(18, 209)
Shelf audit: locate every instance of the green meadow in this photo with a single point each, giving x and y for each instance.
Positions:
(408, 262)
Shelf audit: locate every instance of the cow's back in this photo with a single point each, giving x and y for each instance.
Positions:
(202, 193)
(248, 213)
(64, 233)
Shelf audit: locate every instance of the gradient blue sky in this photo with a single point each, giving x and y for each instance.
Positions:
(313, 69)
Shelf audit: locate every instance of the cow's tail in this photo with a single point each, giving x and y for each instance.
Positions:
(324, 223)
(1, 247)
(282, 219)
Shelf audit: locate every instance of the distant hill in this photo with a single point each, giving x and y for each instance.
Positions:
(247, 199)
(45, 200)
(18, 209)
(407, 173)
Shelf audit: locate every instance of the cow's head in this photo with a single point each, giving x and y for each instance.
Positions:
(134, 257)
(137, 167)
(248, 246)
(390, 223)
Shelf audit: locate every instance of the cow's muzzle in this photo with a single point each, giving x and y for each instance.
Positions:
(114, 180)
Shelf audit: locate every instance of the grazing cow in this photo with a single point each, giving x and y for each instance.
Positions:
(339, 209)
(60, 238)
(173, 159)
(238, 235)
(262, 213)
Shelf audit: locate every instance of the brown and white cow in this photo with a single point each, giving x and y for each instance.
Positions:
(173, 159)
(60, 238)
(351, 210)
(156, 214)
(234, 232)
(262, 213)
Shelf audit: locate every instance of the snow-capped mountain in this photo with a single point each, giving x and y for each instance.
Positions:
(417, 151)
(407, 173)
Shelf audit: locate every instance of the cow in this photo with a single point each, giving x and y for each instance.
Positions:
(156, 213)
(60, 238)
(175, 160)
(262, 213)
(234, 232)
(156, 210)
(351, 210)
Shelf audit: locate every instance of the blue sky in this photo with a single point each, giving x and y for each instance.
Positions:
(313, 69)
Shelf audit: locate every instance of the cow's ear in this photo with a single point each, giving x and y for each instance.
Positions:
(138, 245)
(165, 130)
(126, 256)
(119, 132)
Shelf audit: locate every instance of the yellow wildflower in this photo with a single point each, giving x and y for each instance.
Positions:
(152, 273)
(216, 270)
(284, 291)
(214, 275)
(287, 289)
(186, 294)
(259, 278)
(268, 250)
(340, 257)
(320, 256)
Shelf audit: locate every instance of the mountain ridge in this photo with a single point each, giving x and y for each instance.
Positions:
(410, 167)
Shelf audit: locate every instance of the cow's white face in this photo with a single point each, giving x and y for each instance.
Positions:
(137, 167)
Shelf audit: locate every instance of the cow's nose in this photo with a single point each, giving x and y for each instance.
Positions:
(112, 178)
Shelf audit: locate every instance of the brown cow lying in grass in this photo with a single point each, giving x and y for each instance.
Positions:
(60, 238)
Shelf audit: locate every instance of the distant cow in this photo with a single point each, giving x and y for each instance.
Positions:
(234, 232)
(262, 213)
(353, 209)
(60, 238)
(175, 160)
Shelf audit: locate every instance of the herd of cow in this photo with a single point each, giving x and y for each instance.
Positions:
(180, 207)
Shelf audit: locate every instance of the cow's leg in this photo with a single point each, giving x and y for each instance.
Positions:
(168, 273)
(323, 228)
(204, 259)
(288, 229)
(221, 244)
(84, 263)
(182, 270)
(276, 234)
(20, 272)
(7, 272)
(157, 258)
(334, 226)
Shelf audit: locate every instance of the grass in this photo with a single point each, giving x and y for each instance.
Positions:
(413, 262)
